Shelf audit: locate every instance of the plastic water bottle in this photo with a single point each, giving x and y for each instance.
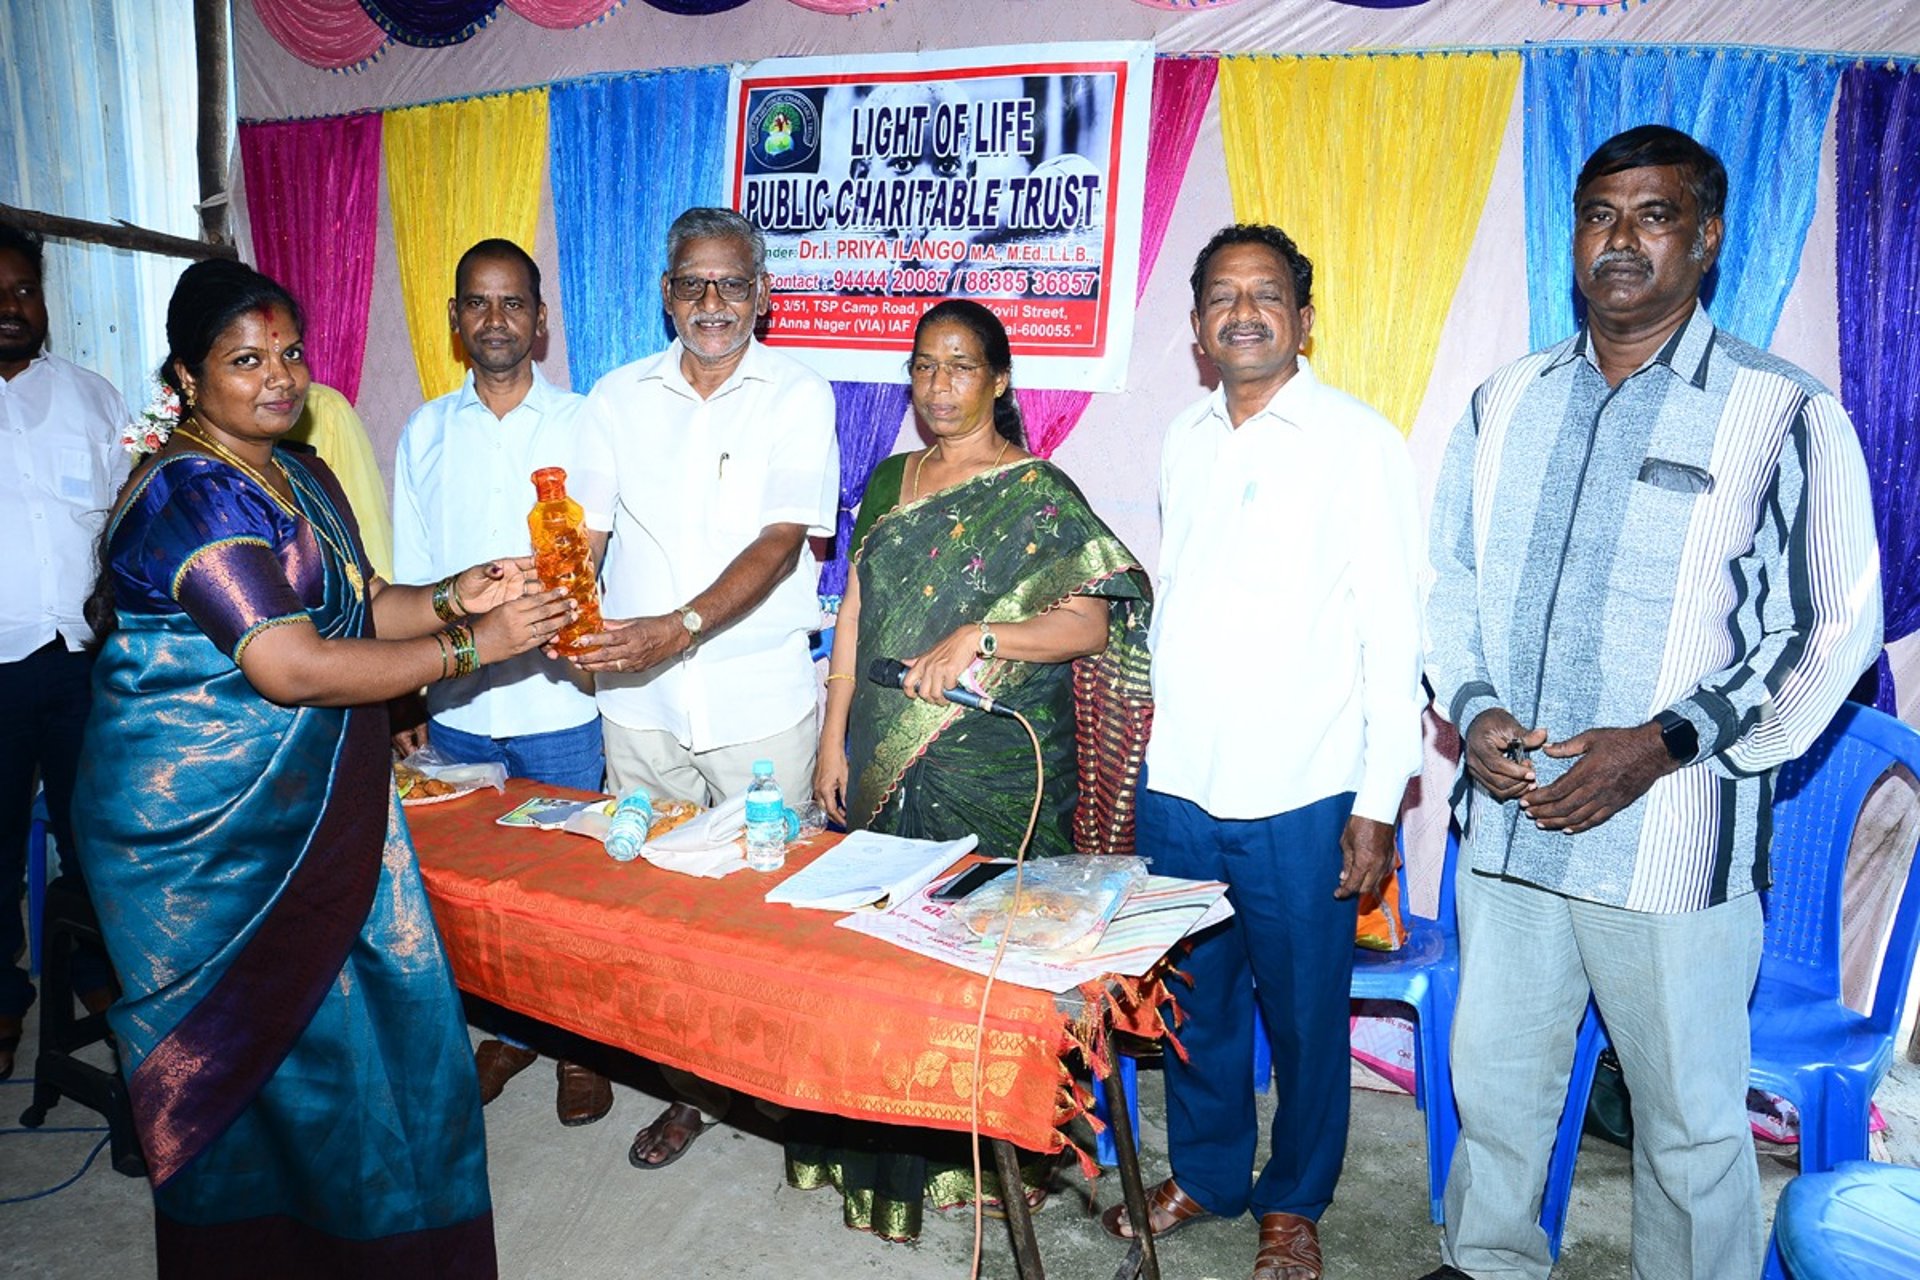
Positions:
(627, 831)
(766, 820)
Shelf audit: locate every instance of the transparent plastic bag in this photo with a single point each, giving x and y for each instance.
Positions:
(1064, 903)
(463, 778)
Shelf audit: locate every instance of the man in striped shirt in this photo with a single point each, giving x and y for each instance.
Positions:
(1655, 580)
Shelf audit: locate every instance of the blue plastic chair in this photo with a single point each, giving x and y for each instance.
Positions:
(1808, 1046)
(36, 883)
(1860, 1221)
(1105, 1153)
(1425, 975)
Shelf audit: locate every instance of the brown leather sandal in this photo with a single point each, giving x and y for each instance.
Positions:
(1167, 1204)
(1289, 1248)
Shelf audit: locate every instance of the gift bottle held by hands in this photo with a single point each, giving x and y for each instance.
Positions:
(561, 554)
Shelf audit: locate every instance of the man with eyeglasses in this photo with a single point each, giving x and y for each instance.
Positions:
(705, 469)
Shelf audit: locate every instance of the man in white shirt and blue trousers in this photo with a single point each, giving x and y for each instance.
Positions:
(1287, 702)
(60, 468)
(462, 488)
(710, 464)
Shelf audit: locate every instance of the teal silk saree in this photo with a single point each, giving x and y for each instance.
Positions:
(293, 1044)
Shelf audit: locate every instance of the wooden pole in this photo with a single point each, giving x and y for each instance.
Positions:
(120, 235)
(210, 56)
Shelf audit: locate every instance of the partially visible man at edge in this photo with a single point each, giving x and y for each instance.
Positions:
(60, 467)
(707, 467)
(461, 492)
(1656, 580)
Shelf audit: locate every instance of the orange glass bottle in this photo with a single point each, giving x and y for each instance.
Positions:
(561, 555)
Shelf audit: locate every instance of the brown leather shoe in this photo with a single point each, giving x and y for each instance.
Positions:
(1168, 1209)
(583, 1097)
(1289, 1248)
(498, 1062)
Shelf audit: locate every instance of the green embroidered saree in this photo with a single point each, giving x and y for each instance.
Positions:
(1005, 546)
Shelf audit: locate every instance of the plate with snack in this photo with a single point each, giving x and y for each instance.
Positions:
(417, 788)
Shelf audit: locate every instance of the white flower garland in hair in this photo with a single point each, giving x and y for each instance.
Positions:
(156, 422)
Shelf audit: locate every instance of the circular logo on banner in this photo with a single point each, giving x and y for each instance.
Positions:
(783, 129)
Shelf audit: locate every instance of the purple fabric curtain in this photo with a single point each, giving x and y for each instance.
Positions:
(1878, 211)
(867, 417)
(1181, 89)
(313, 203)
(427, 23)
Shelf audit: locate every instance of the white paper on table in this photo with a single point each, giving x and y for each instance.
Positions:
(869, 867)
(1158, 914)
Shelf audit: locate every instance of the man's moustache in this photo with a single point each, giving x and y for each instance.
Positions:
(1230, 332)
(1615, 256)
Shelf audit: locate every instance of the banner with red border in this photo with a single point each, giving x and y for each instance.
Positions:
(886, 183)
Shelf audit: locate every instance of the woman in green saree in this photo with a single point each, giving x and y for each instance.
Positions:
(976, 563)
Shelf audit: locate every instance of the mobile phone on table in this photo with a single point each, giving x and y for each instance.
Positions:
(970, 879)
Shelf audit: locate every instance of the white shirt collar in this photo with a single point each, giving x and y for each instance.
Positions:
(1292, 404)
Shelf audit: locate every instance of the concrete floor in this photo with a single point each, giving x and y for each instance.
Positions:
(568, 1205)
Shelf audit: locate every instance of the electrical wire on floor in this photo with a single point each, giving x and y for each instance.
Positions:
(986, 992)
(80, 1173)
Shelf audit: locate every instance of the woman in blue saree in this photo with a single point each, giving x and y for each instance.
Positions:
(294, 1048)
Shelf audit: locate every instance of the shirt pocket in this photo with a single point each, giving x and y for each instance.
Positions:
(80, 475)
(1660, 509)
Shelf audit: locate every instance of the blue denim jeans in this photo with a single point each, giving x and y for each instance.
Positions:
(561, 758)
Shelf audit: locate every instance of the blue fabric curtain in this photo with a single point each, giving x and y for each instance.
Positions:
(97, 127)
(1762, 112)
(867, 417)
(1878, 213)
(627, 155)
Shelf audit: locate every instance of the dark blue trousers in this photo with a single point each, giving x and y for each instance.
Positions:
(44, 699)
(1289, 946)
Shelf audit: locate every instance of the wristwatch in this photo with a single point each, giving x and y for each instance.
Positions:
(1678, 735)
(989, 643)
(690, 619)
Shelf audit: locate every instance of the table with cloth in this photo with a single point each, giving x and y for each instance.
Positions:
(774, 1001)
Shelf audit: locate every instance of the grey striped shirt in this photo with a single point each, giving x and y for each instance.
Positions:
(1699, 539)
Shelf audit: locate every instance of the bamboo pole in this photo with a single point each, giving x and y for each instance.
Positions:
(119, 235)
(210, 57)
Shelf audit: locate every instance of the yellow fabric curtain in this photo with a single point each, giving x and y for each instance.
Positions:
(458, 172)
(1378, 167)
(334, 431)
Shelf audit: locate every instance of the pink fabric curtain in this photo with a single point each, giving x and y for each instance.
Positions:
(334, 34)
(1181, 89)
(313, 203)
(563, 14)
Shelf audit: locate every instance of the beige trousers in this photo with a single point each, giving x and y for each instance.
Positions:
(654, 759)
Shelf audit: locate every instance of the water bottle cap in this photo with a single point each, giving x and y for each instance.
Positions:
(763, 768)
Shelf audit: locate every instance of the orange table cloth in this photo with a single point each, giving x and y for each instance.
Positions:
(705, 975)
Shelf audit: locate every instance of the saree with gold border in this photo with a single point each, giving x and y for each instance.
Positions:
(1007, 545)
(294, 1048)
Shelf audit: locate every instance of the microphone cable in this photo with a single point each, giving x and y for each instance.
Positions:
(980, 1023)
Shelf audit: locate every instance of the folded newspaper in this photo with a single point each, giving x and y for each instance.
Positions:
(1158, 914)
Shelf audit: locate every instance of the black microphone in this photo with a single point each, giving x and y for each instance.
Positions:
(893, 672)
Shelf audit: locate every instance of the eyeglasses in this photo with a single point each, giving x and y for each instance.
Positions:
(922, 370)
(694, 288)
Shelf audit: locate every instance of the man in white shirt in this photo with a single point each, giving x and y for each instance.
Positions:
(714, 461)
(60, 467)
(461, 492)
(1287, 700)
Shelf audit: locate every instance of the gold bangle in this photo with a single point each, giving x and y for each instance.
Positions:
(445, 595)
(466, 658)
(838, 675)
(440, 638)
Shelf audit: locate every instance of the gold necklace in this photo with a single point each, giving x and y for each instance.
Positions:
(349, 565)
(922, 455)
